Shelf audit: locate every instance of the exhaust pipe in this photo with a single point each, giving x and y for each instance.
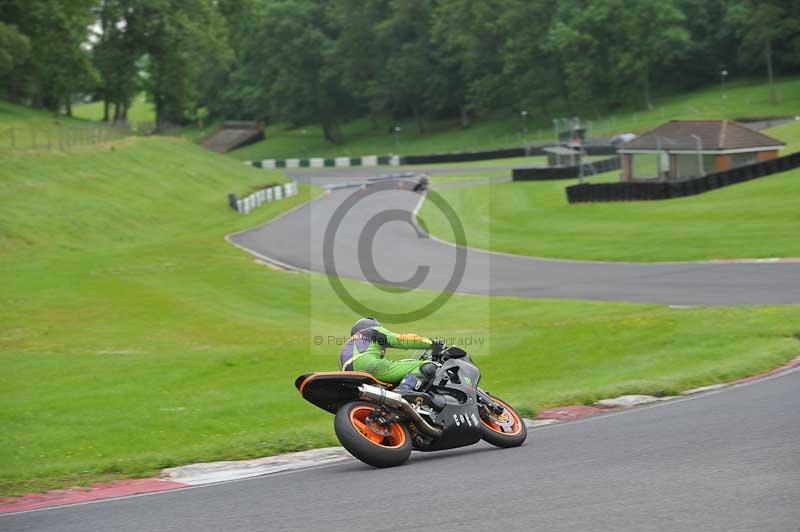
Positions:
(391, 399)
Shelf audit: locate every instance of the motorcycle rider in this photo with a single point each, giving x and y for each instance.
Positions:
(366, 347)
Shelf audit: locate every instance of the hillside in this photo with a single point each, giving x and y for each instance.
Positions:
(742, 99)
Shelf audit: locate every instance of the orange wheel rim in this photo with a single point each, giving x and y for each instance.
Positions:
(507, 423)
(390, 436)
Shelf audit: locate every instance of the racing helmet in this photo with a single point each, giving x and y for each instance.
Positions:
(364, 323)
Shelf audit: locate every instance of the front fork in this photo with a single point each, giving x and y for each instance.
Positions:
(486, 401)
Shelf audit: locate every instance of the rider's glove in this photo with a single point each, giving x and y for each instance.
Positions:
(437, 345)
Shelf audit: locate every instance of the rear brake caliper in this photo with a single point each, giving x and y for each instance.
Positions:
(378, 423)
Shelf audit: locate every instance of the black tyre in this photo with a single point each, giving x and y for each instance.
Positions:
(507, 429)
(373, 444)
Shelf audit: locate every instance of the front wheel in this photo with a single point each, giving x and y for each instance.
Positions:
(506, 429)
(370, 439)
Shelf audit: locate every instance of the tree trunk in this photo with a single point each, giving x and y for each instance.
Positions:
(13, 90)
(330, 130)
(68, 104)
(465, 118)
(159, 110)
(648, 101)
(773, 99)
(418, 119)
(563, 89)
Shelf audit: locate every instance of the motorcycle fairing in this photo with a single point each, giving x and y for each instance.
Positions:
(457, 380)
(329, 390)
(460, 424)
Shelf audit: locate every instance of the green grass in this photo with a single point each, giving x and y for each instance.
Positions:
(140, 110)
(788, 133)
(750, 220)
(18, 116)
(743, 99)
(133, 337)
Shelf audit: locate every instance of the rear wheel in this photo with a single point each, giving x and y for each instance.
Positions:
(366, 436)
(506, 429)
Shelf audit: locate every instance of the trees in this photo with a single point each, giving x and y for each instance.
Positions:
(327, 61)
(118, 46)
(467, 35)
(357, 54)
(765, 25)
(58, 65)
(290, 59)
(183, 40)
(14, 48)
(613, 46)
(410, 77)
(656, 37)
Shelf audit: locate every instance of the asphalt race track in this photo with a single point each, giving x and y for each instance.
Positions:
(296, 240)
(721, 461)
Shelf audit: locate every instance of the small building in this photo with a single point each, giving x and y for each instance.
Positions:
(682, 149)
(563, 155)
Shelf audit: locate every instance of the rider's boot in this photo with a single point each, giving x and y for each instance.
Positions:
(411, 385)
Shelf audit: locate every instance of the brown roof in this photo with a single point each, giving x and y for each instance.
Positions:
(714, 135)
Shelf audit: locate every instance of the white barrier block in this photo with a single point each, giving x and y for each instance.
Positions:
(289, 190)
(268, 193)
(239, 205)
(277, 192)
(394, 160)
(342, 161)
(292, 163)
(249, 163)
(369, 160)
(316, 162)
(268, 163)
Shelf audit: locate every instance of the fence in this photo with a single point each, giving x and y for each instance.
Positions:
(633, 190)
(565, 172)
(60, 136)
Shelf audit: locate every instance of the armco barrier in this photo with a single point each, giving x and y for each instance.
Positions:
(265, 195)
(460, 157)
(565, 172)
(319, 162)
(455, 157)
(637, 190)
(502, 153)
